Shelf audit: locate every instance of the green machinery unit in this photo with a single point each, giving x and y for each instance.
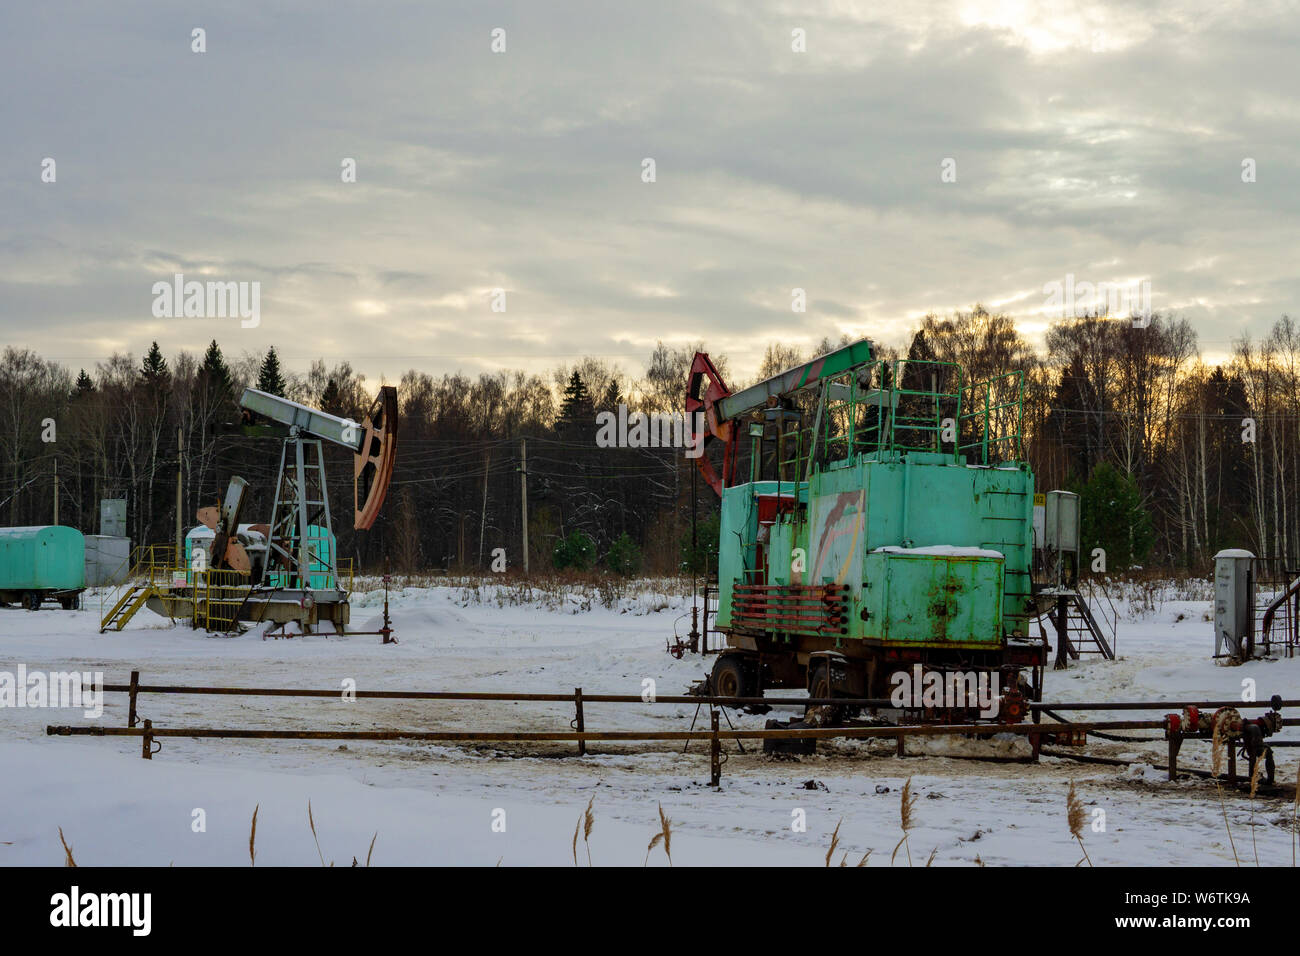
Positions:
(40, 563)
(887, 521)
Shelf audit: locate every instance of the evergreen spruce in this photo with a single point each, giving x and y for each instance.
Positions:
(269, 377)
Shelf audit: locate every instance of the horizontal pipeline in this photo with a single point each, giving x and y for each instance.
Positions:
(879, 702)
(923, 730)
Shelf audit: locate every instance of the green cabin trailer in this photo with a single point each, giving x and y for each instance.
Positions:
(886, 522)
(42, 563)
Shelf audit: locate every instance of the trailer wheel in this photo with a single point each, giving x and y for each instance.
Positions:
(819, 686)
(68, 603)
(819, 680)
(32, 600)
(729, 678)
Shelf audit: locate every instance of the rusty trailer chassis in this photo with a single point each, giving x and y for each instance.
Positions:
(1235, 730)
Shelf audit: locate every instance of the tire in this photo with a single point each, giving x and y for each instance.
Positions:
(68, 603)
(32, 600)
(819, 686)
(819, 680)
(729, 678)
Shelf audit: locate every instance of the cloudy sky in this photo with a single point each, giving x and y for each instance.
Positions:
(1103, 140)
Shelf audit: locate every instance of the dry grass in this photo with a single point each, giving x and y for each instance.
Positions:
(571, 591)
(844, 859)
(907, 801)
(312, 824)
(835, 842)
(1076, 816)
(586, 823)
(664, 836)
(252, 838)
(1218, 747)
(1254, 786)
(67, 850)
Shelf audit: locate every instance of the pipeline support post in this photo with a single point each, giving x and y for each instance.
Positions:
(147, 738)
(1062, 633)
(715, 752)
(578, 723)
(131, 718)
(1175, 744)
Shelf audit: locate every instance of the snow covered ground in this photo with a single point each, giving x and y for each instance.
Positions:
(519, 804)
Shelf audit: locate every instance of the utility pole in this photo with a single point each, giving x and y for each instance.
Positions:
(482, 523)
(523, 493)
(56, 490)
(180, 454)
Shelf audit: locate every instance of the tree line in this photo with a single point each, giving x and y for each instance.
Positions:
(1175, 458)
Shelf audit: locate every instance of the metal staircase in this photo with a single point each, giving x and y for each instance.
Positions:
(1083, 633)
(133, 598)
(150, 572)
(215, 596)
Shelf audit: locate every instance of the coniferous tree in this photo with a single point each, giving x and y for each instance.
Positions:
(269, 378)
(214, 373)
(331, 398)
(1114, 519)
(153, 371)
(577, 409)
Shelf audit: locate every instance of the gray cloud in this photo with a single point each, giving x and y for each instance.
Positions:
(1099, 139)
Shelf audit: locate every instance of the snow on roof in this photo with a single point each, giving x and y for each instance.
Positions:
(1234, 553)
(944, 549)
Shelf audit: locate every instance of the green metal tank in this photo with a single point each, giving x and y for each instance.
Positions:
(39, 560)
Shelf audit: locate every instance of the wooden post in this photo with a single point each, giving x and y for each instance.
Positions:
(147, 753)
(131, 718)
(715, 754)
(578, 723)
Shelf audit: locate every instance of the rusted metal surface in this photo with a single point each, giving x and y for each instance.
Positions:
(133, 689)
(796, 607)
(373, 468)
(1177, 726)
(578, 723)
(734, 702)
(480, 736)
(705, 388)
(715, 752)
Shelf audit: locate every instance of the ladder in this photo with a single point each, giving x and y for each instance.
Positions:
(132, 599)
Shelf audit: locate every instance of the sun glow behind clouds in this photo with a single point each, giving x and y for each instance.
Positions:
(1046, 28)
